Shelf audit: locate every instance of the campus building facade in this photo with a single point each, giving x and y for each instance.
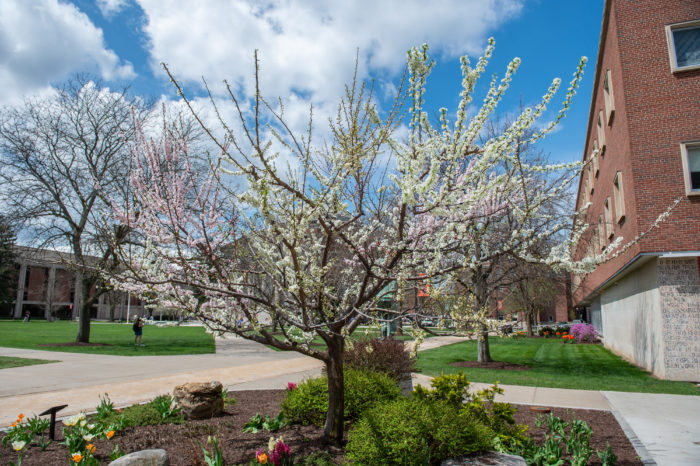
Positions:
(46, 289)
(644, 123)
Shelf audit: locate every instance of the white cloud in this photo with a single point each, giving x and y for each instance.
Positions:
(109, 8)
(308, 47)
(44, 41)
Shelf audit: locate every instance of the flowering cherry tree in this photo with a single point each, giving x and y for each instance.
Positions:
(311, 246)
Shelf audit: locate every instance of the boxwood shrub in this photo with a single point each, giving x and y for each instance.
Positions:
(308, 403)
(415, 432)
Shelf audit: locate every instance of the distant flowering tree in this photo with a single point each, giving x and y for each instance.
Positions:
(312, 246)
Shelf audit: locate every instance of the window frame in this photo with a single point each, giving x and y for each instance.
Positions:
(619, 195)
(601, 233)
(672, 45)
(609, 98)
(600, 125)
(609, 230)
(596, 164)
(689, 191)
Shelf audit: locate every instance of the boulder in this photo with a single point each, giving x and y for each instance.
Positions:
(487, 458)
(143, 458)
(199, 400)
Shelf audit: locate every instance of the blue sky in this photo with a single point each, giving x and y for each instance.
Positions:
(307, 48)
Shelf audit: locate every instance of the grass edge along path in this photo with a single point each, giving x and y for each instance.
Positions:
(552, 364)
(109, 338)
(7, 362)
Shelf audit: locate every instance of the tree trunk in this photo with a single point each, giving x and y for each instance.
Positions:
(85, 311)
(333, 430)
(482, 347)
(528, 324)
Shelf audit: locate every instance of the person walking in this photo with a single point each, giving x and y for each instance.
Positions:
(138, 331)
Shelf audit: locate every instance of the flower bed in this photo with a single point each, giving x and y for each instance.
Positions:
(182, 441)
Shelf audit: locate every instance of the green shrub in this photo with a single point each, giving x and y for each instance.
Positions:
(143, 415)
(450, 388)
(454, 390)
(308, 403)
(415, 432)
(380, 355)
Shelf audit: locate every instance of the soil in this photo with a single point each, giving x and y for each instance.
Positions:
(180, 440)
(490, 365)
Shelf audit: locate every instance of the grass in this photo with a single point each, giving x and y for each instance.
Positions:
(362, 333)
(552, 364)
(7, 362)
(118, 338)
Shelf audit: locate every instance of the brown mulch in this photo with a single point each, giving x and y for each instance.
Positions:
(74, 343)
(238, 447)
(490, 365)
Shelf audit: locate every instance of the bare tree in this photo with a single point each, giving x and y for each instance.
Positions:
(59, 154)
(535, 288)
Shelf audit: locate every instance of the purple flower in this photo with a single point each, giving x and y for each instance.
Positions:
(291, 386)
(583, 332)
(280, 453)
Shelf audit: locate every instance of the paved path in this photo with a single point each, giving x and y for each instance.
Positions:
(665, 429)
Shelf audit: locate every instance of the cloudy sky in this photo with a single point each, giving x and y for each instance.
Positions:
(307, 48)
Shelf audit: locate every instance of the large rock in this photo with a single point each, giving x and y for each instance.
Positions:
(199, 400)
(143, 458)
(487, 458)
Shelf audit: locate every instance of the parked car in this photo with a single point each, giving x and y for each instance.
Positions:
(426, 322)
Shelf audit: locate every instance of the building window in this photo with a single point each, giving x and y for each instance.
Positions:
(601, 132)
(586, 193)
(591, 180)
(609, 99)
(690, 151)
(619, 194)
(601, 233)
(594, 161)
(608, 219)
(684, 45)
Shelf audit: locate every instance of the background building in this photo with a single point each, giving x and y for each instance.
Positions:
(46, 289)
(645, 121)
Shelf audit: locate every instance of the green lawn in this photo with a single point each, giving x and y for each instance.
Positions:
(553, 364)
(6, 362)
(362, 333)
(117, 338)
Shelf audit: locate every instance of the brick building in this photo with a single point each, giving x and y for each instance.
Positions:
(46, 289)
(645, 121)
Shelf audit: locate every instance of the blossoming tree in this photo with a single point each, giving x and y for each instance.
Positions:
(312, 246)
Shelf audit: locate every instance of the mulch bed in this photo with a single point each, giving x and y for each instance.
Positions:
(490, 365)
(180, 441)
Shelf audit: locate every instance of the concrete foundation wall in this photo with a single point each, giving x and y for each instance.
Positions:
(631, 319)
(651, 317)
(679, 287)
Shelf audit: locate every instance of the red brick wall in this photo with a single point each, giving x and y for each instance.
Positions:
(35, 284)
(655, 110)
